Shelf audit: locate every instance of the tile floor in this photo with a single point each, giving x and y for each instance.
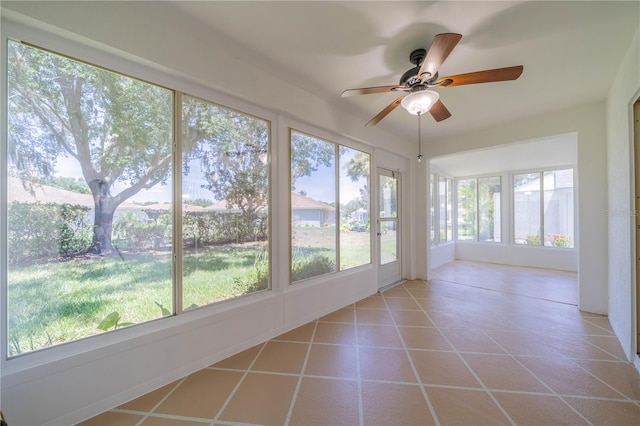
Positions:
(477, 345)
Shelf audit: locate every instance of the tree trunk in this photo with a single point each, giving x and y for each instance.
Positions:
(105, 207)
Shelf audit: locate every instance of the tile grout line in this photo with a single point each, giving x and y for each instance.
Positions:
(358, 372)
(237, 386)
(163, 399)
(413, 367)
(553, 392)
(491, 396)
(506, 292)
(294, 397)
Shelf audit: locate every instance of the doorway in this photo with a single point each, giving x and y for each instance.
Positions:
(388, 232)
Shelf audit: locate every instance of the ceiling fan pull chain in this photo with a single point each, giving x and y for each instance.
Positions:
(419, 139)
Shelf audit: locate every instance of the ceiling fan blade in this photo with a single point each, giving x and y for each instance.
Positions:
(382, 114)
(439, 111)
(441, 47)
(487, 76)
(368, 90)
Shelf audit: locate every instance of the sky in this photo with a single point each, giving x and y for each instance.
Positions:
(317, 186)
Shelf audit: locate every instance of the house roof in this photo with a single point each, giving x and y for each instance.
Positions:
(298, 202)
(301, 202)
(30, 192)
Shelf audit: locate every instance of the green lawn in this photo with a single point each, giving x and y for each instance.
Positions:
(62, 301)
(56, 302)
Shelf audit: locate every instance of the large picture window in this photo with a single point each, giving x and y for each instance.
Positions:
(88, 149)
(329, 207)
(225, 194)
(92, 244)
(543, 208)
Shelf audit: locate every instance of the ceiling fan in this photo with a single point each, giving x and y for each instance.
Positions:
(416, 83)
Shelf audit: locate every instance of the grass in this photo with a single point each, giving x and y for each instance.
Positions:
(58, 302)
(62, 301)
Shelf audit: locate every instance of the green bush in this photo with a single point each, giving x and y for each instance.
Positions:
(560, 240)
(533, 240)
(303, 267)
(44, 231)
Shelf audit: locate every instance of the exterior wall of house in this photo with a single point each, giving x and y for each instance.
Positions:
(621, 219)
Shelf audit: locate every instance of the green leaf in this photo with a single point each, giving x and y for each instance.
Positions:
(109, 321)
(165, 311)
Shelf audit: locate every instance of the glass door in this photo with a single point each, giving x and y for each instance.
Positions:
(388, 228)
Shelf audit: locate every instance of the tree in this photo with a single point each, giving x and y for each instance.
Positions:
(232, 149)
(117, 128)
(357, 167)
(308, 154)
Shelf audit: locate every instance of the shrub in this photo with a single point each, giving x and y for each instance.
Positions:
(46, 231)
(310, 266)
(533, 240)
(560, 240)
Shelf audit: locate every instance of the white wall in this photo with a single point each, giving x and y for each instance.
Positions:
(620, 153)
(68, 383)
(518, 255)
(589, 124)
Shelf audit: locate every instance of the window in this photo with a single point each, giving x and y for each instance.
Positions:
(324, 176)
(479, 209)
(432, 209)
(445, 195)
(467, 209)
(543, 208)
(91, 242)
(441, 208)
(88, 150)
(225, 193)
(355, 237)
(489, 209)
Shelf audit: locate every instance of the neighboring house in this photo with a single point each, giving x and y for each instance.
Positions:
(306, 211)
(29, 192)
(360, 215)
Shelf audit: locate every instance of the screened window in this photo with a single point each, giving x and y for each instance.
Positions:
(441, 208)
(353, 183)
(479, 209)
(489, 209)
(432, 209)
(91, 242)
(89, 168)
(467, 209)
(329, 207)
(225, 194)
(544, 208)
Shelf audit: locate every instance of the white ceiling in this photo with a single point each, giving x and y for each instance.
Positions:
(555, 151)
(570, 51)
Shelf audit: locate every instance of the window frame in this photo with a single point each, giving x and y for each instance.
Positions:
(338, 142)
(437, 208)
(541, 171)
(477, 179)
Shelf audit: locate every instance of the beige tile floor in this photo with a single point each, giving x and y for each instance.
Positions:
(477, 345)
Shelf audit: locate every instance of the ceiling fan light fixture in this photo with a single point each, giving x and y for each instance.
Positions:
(417, 103)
